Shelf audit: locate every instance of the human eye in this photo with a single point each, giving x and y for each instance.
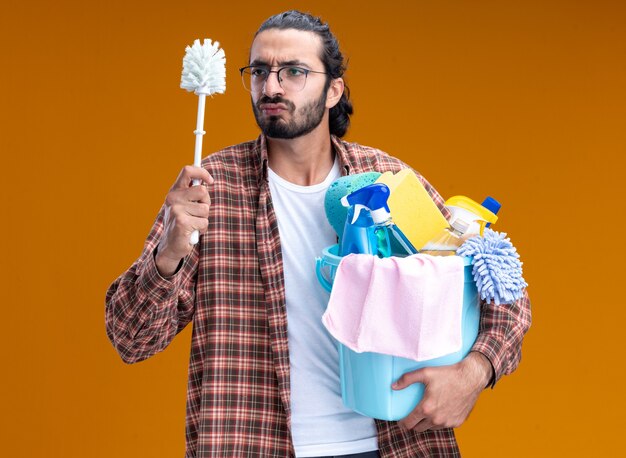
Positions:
(295, 72)
(258, 72)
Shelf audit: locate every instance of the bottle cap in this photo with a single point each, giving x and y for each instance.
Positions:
(492, 205)
(460, 225)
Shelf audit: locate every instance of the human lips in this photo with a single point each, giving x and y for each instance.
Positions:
(272, 108)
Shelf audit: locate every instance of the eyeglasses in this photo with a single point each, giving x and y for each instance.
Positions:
(291, 78)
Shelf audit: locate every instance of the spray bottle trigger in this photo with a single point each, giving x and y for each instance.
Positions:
(357, 212)
(482, 224)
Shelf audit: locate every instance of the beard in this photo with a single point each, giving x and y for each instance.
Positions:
(308, 117)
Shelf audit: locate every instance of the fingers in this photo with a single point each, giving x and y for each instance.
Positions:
(413, 419)
(417, 416)
(191, 215)
(425, 418)
(185, 224)
(189, 173)
(418, 426)
(420, 419)
(421, 416)
(187, 209)
(198, 209)
(418, 376)
(196, 194)
(447, 399)
(198, 224)
(178, 196)
(427, 424)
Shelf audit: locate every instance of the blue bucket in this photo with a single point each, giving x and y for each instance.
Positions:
(366, 377)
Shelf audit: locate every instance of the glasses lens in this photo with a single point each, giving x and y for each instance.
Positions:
(292, 79)
(254, 78)
(248, 79)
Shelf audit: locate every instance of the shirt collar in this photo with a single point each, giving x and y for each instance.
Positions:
(337, 144)
(340, 150)
(262, 145)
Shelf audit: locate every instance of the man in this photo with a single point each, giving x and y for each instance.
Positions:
(263, 372)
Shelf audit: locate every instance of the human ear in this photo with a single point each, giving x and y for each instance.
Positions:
(335, 91)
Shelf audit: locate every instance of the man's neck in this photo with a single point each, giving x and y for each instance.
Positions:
(304, 160)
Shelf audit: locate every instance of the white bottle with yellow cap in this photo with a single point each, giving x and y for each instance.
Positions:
(467, 219)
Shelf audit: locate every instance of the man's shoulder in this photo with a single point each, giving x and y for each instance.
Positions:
(233, 154)
(235, 166)
(367, 158)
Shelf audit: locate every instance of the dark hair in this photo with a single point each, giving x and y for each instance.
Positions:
(331, 57)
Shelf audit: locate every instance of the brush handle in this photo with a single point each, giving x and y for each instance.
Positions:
(197, 157)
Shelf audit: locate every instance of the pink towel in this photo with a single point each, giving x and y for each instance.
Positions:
(409, 307)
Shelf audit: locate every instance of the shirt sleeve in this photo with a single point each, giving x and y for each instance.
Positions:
(502, 329)
(145, 311)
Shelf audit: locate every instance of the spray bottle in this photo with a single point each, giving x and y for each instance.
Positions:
(467, 219)
(477, 216)
(369, 228)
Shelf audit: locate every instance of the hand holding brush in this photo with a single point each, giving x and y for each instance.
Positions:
(186, 210)
(204, 73)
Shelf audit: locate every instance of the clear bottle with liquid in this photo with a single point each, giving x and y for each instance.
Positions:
(448, 241)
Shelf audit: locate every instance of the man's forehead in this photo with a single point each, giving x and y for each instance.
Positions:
(286, 47)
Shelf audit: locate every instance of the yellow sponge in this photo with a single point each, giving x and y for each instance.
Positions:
(412, 208)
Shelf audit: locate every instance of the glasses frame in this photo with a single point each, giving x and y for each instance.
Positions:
(306, 71)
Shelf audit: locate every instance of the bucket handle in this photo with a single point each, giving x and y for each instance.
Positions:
(319, 265)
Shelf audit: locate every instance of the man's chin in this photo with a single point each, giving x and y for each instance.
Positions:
(278, 135)
(276, 129)
(270, 123)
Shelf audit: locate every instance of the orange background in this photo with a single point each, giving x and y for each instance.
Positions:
(524, 101)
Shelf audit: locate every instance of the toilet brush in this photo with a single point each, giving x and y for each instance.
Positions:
(204, 73)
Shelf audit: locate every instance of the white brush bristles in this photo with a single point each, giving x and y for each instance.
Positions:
(204, 68)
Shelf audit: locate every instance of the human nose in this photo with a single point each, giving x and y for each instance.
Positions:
(272, 86)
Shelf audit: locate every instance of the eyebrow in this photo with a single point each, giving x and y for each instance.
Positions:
(282, 63)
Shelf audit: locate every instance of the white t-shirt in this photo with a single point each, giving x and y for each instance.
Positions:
(321, 424)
